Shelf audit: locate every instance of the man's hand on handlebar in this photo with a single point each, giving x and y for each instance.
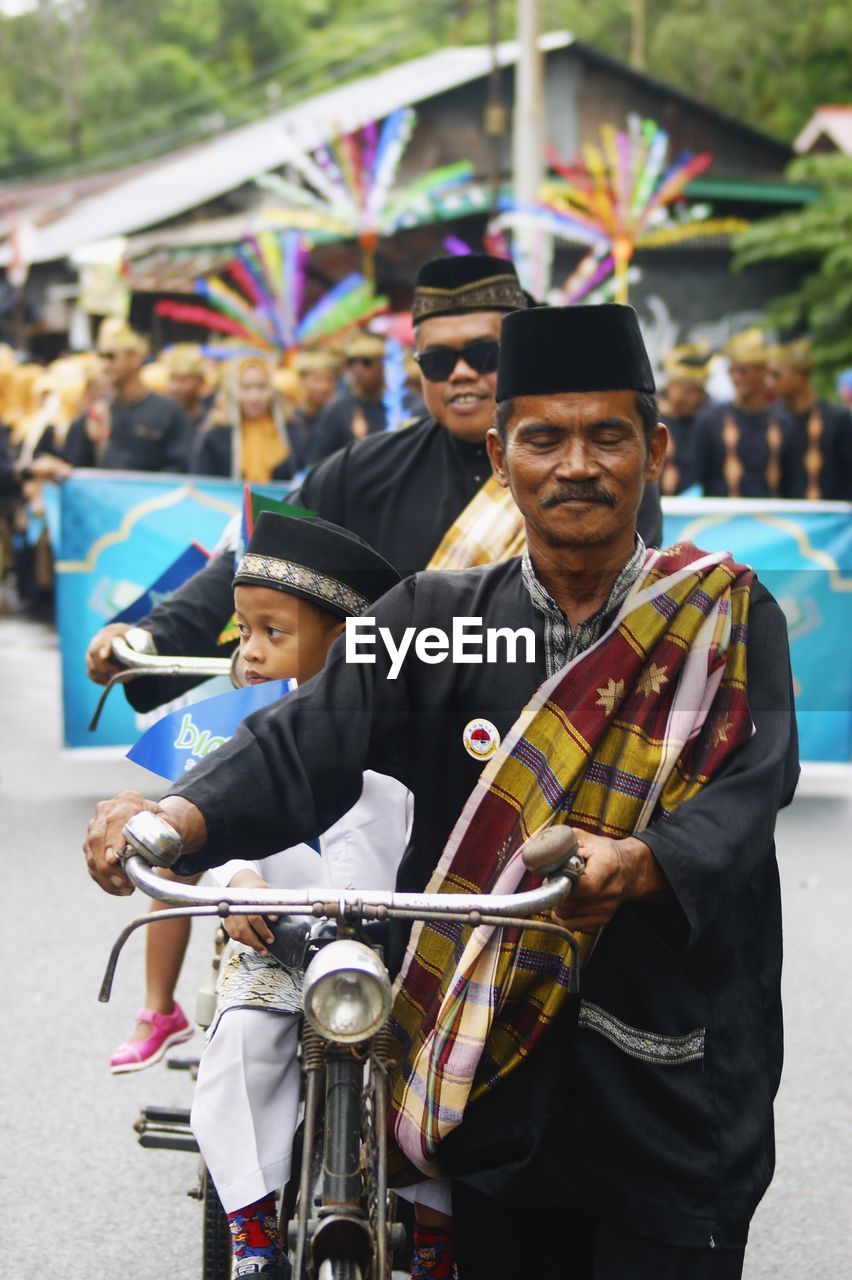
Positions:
(100, 665)
(252, 931)
(105, 834)
(616, 871)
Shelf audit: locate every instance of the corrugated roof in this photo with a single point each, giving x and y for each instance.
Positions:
(183, 181)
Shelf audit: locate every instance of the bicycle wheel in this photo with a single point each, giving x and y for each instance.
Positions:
(216, 1249)
(339, 1269)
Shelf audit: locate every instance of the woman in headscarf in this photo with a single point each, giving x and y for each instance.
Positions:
(246, 437)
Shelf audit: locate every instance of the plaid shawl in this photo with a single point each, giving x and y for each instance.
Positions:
(626, 732)
(490, 528)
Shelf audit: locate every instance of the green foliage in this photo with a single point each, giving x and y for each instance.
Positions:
(819, 237)
(95, 83)
(768, 62)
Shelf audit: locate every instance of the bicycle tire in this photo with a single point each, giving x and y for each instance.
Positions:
(216, 1251)
(339, 1269)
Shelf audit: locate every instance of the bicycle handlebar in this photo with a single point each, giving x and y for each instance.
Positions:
(136, 664)
(373, 903)
(166, 665)
(556, 847)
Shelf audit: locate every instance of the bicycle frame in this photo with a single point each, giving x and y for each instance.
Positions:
(345, 1226)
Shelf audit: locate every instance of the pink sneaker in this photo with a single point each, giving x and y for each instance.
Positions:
(169, 1028)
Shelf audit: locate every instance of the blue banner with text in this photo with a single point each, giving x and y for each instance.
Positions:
(802, 553)
(119, 532)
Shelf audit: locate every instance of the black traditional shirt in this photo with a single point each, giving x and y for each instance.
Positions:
(658, 1084)
(152, 434)
(679, 466)
(744, 455)
(212, 455)
(822, 465)
(399, 490)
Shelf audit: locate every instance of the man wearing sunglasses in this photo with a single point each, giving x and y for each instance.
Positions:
(407, 493)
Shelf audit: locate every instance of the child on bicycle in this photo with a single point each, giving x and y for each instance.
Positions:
(294, 587)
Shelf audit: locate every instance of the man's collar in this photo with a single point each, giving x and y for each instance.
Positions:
(131, 404)
(464, 448)
(629, 572)
(562, 642)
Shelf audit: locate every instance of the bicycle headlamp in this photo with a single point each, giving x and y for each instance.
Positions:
(346, 992)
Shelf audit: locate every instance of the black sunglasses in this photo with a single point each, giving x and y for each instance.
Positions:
(438, 363)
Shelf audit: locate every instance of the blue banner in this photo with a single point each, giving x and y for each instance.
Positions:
(118, 532)
(182, 738)
(802, 553)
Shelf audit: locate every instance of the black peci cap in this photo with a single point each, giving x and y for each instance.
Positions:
(318, 561)
(545, 351)
(466, 282)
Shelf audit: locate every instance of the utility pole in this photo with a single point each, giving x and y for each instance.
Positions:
(532, 253)
(495, 112)
(638, 29)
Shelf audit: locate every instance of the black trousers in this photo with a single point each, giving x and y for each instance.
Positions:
(499, 1241)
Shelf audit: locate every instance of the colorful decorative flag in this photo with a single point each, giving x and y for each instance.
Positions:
(257, 500)
(618, 199)
(179, 571)
(186, 736)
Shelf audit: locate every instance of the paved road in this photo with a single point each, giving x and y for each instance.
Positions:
(74, 1182)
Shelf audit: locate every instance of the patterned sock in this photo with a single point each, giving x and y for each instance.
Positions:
(433, 1253)
(254, 1232)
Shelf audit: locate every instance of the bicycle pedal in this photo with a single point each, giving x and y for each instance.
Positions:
(164, 1115)
(182, 1064)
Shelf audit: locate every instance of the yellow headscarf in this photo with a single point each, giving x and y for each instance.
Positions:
(258, 445)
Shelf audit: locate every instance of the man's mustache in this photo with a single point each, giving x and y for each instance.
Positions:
(578, 493)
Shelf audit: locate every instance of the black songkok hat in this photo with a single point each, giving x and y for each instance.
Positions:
(318, 561)
(547, 350)
(466, 282)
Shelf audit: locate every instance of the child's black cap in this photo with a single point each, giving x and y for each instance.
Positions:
(318, 561)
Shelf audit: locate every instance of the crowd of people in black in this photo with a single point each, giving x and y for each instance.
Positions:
(248, 417)
(775, 438)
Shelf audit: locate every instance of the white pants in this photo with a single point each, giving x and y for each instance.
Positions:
(432, 1193)
(246, 1104)
(246, 1107)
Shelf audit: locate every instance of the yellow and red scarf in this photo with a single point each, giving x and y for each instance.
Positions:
(625, 733)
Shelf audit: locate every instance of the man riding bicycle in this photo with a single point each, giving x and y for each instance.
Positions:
(650, 707)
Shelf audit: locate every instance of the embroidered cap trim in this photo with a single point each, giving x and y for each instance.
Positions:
(647, 1046)
(286, 573)
(495, 293)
